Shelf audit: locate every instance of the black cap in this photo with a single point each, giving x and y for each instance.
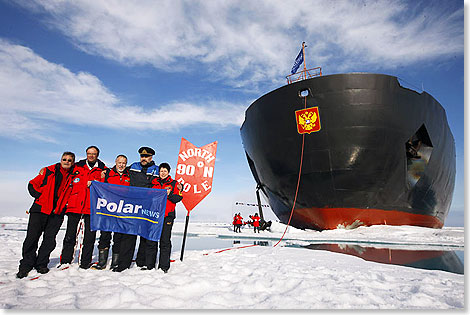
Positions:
(146, 151)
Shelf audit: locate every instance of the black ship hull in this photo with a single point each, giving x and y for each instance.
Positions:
(384, 154)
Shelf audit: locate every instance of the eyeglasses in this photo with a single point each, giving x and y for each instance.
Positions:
(144, 155)
(67, 160)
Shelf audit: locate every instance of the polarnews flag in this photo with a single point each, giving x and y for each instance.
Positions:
(127, 209)
(298, 61)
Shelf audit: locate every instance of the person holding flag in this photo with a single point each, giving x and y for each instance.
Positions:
(175, 195)
(78, 207)
(117, 175)
(141, 174)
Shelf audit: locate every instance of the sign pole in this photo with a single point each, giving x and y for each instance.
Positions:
(184, 236)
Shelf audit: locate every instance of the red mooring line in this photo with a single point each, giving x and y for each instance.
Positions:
(293, 205)
(298, 181)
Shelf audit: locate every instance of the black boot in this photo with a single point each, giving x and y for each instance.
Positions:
(114, 262)
(102, 259)
(21, 274)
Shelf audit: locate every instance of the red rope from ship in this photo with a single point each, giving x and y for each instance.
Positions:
(293, 205)
(298, 182)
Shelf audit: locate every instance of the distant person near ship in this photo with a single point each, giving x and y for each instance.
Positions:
(255, 219)
(238, 222)
(235, 222)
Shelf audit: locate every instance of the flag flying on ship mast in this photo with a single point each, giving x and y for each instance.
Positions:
(298, 61)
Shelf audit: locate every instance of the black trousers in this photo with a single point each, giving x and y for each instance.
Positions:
(147, 253)
(105, 241)
(126, 252)
(165, 244)
(71, 238)
(40, 224)
(148, 250)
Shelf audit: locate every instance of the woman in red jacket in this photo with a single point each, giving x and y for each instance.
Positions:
(78, 207)
(174, 196)
(50, 189)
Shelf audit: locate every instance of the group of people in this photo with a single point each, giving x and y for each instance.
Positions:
(238, 222)
(63, 189)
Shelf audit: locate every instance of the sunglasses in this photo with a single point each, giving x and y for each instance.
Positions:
(67, 160)
(145, 155)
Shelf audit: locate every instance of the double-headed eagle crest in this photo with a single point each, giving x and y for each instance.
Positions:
(308, 120)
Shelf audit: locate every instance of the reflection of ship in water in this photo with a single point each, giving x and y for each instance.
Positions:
(422, 259)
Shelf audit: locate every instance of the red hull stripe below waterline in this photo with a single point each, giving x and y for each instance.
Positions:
(330, 218)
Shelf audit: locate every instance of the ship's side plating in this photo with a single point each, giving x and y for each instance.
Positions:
(384, 154)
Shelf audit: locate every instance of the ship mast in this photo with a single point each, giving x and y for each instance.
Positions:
(305, 66)
(304, 73)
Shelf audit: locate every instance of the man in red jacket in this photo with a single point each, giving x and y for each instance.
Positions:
(78, 207)
(174, 195)
(50, 190)
(255, 219)
(239, 222)
(117, 175)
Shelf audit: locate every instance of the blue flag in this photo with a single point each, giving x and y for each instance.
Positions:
(298, 61)
(127, 209)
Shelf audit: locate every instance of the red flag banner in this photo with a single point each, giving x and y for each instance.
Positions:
(195, 170)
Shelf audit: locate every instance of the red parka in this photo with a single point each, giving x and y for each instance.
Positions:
(175, 195)
(42, 188)
(255, 219)
(112, 176)
(79, 200)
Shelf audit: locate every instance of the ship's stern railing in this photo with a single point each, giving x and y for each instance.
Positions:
(303, 75)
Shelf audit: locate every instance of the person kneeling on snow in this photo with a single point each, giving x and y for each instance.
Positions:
(50, 190)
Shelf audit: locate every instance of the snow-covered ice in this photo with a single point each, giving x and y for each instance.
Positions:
(256, 277)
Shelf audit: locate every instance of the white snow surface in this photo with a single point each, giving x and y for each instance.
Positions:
(256, 277)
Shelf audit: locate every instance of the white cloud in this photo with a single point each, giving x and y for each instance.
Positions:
(244, 44)
(249, 42)
(37, 94)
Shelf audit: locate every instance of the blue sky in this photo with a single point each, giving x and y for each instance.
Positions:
(120, 75)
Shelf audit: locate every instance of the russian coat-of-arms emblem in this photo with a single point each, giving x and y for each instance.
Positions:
(308, 120)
